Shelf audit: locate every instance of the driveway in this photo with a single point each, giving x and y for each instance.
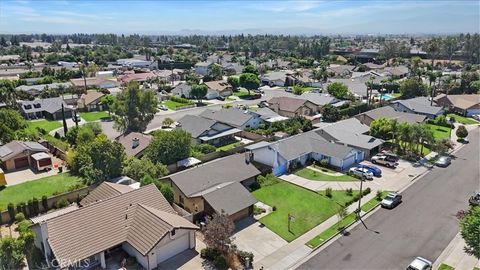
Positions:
(25, 175)
(188, 260)
(254, 237)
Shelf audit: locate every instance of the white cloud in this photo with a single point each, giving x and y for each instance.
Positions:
(287, 6)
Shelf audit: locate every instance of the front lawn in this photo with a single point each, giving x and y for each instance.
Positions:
(318, 176)
(325, 235)
(47, 125)
(373, 202)
(172, 105)
(445, 267)
(94, 116)
(440, 132)
(242, 94)
(308, 208)
(462, 119)
(47, 186)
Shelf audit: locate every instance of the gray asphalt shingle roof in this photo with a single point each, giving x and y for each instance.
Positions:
(50, 105)
(420, 105)
(195, 125)
(234, 117)
(230, 198)
(196, 180)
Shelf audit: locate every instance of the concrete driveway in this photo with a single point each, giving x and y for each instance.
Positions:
(254, 237)
(188, 260)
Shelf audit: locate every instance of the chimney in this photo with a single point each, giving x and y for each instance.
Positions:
(135, 142)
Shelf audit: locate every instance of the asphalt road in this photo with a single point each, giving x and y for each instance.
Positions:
(423, 225)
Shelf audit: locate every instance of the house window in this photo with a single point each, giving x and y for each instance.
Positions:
(180, 198)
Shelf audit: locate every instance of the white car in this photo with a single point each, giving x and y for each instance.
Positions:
(361, 173)
(420, 264)
(476, 117)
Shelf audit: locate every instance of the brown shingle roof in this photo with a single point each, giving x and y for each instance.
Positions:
(127, 141)
(287, 103)
(92, 96)
(123, 218)
(461, 101)
(218, 85)
(104, 191)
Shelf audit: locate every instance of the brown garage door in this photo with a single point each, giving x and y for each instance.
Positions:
(21, 162)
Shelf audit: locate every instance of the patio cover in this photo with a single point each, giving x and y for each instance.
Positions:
(40, 156)
(221, 134)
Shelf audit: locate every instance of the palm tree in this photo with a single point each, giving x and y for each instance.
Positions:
(433, 49)
(405, 135)
(394, 130)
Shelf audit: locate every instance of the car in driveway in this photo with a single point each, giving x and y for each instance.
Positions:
(393, 199)
(384, 160)
(475, 199)
(443, 161)
(373, 169)
(420, 263)
(361, 173)
(163, 108)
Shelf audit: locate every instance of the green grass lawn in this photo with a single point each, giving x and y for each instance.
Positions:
(325, 235)
(308, 208)
(445, 267)
(47, 125)
(228, 146)
(462, 119)
(172, 105)
(318, 176)
(242, 94)
(94, 116)
(373, 202)
(47, 186)
(440, 132)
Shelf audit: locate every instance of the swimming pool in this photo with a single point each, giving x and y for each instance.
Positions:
(386, 97)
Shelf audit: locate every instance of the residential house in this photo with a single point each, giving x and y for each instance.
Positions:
(137, 63)
(134, 143)
(268, 116)
(203, 68)
(396, 72)
(290, 107)
(417, 105)
(319, 99)
(35, 90)
(276, 78)
(93, 82)
(352, 133)
(231, 68)
(466, 105)
(139, 221)
(209, 131)
(216, 186)
(241, 119)
(182, 90)
(218, 88)
(388, 112)
(49, 108)
(340, 70)
(19, 154)
(295, 151)
(91, 101)
(11, 58)
(139, 77)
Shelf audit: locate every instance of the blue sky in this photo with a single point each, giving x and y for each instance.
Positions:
(295, 16)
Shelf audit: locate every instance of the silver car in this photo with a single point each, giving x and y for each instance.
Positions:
(393, 199)
(443, 161)
(361, 173)
(420, 264)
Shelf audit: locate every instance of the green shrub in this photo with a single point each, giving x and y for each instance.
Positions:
(366, 191)
(179, 99)
(378, 196)
(254, 186)
(209, 254)
(244, 255)
(61, 203)
(30, 208)
(328, 192)
(19, 217)
(220, 263)
(45, 203)
(349, 191)
(36, 207)
(204, 148)
(274, 208)
(267, 180)
(11, 211)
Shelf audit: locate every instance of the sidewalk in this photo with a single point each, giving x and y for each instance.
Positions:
(454, 256)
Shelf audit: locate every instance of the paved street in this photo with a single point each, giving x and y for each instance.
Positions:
(423, 225)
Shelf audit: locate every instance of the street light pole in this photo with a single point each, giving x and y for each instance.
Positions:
(360, 199)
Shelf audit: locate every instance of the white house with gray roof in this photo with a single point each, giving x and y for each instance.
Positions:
(418, 105)
(209, 131)
(234, 117)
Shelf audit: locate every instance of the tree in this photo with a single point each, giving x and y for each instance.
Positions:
(470, 231)
(330, 113)
(433, 49)
(167, 122)
(168, 147)
(461, 132)
(342, 213)
(234, 82)
(449, 46)
(218, 231)
(250, 69)
(249, 81)
(167, 192)
(108, 101)
(11, 253)
(199, 91)
(338, 90)
(381, 128)
(138, 168)
(84, 136)
(134, 109)
(412, 87)
(297, 90)
(216, 72)
(11, 122)
(8, 93)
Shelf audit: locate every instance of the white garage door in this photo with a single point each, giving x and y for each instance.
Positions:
(173, 248)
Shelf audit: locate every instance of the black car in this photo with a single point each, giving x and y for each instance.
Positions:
(221, 98)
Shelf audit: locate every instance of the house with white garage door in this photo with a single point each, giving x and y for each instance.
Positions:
(139, 221)
(294, 152)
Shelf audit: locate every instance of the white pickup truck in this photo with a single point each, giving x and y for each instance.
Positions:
(384, 160)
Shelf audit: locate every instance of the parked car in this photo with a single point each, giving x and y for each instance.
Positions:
(475, 199)
(443, 161)
(221, 98)
(373, 169)
(289, 89)
(259, 91)
(420, 264)
(163, 108)
(476, 117)
(390, 156)
(393, 199)
(256, 96)
(361, 173)
(263, 104)
(384, 160)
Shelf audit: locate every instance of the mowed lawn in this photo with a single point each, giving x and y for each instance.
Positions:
(47, 186)
(319, 176)
(94, 116)
(462, 119)
(47, 125)
(440, 132)
(308, 208)
(172, 105)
